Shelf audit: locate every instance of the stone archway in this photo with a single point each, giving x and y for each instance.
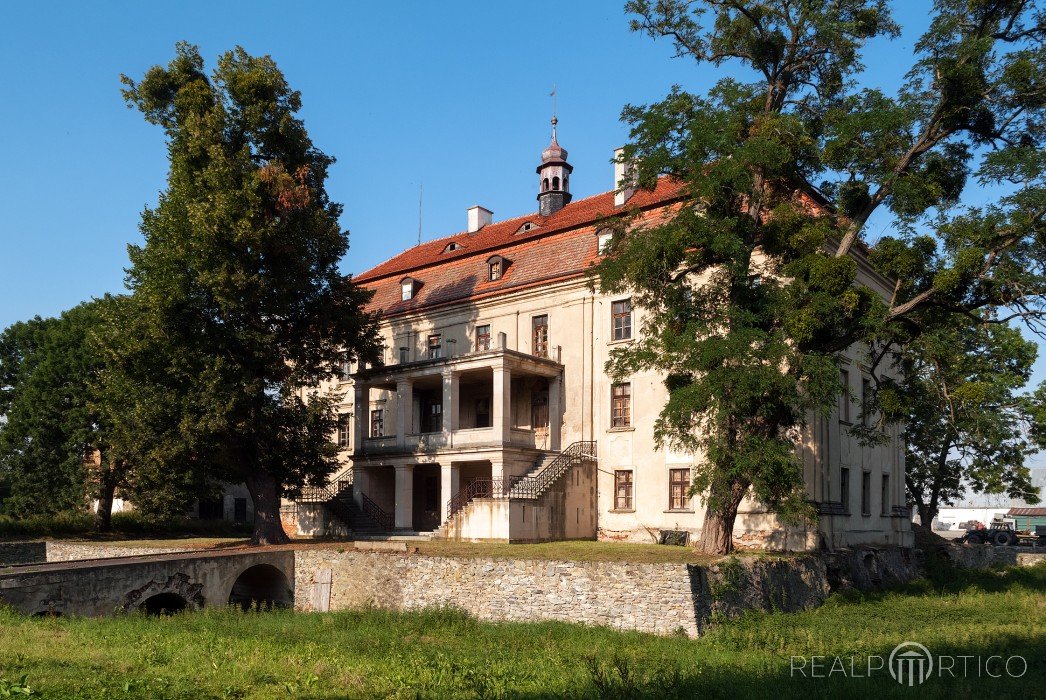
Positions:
(261, 587)
(155, 595)
(163, 604)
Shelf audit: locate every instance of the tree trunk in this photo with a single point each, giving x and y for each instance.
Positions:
(268, 528)
(925, 514)
(103, 517)
(717, 534)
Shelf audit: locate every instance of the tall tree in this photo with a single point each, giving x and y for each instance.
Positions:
(237, 285)
(966, 424)
(749, 288)
(54, 443)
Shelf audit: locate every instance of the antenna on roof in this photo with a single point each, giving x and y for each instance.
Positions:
(421, 191)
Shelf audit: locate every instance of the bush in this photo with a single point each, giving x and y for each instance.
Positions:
(127, 523)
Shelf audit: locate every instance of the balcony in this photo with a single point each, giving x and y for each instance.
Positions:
(483, 400)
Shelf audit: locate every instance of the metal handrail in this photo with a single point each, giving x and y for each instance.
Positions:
(526, 486)
(376, 513)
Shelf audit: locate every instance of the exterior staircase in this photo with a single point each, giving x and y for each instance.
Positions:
(338, 501)
(547, 470)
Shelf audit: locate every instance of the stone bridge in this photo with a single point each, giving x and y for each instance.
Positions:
(152, 583)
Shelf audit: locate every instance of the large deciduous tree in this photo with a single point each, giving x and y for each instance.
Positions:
(967, 427)
(56, 445)
(749, 289)
(239, 300)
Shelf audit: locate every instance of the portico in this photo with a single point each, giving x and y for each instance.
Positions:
(424, 430)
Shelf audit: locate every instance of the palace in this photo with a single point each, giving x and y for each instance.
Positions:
(492, 417)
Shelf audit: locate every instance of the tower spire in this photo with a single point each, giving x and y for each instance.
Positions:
(554, 172)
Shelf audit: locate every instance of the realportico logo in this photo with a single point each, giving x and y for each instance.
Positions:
(910, 664)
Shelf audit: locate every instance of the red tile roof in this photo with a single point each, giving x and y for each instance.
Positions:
(562, 245)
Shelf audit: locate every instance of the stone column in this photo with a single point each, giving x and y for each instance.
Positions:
(555, 415)
(360, 411)
(497, 471)
(502, 403)
(450, 404)
(404, 496)
(450, 476)
(404, 410)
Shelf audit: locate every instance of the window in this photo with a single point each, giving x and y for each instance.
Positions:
(452, 246)
(844, 397)
(494, 270)
(866, 493)
(407, 289)
(623, 489)
(866, 398)
(239, 510)
(435, 346)
(621, 406)
(482, 338)
(212, 508)
(603, 239)
(483, 412)
(377, 422)
(432, 414)
(678, 486)
(885, 495)
(540, 326)
(404, 355)
(621, 312)
(344, 368)
(844, 489)
(344, 437)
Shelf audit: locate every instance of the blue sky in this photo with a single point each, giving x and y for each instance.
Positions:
(452, 95)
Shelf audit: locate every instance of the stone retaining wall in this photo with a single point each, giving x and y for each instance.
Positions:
(22, 552)
(58, 550)
(657, 598)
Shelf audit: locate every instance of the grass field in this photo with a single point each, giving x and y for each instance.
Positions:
(227, 654)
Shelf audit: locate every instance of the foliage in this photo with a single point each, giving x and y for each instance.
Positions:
(444, 653)
(966, 425)
(238, 302)
(51, 425)
(748, 289)
(127, 523)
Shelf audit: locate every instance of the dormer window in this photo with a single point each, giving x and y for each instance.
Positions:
(603, 238)
(408, 287)
(529, 226)
(496, 267)
(452, 246)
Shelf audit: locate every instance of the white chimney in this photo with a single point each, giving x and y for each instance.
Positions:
(479, 217)
(624, 185)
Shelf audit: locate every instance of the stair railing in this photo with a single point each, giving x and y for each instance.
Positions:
(523, 486)
(375, 512)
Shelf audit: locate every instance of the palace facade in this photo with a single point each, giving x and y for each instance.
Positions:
(492, 416)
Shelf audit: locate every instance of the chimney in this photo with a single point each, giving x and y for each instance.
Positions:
(479, 217)
(624, 185)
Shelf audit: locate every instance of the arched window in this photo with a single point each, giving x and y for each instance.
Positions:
(555, 183)
(544, 185)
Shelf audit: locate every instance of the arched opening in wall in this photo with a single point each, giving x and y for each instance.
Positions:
(163, 604)
(544, 185)
(261, 587)
(555, 183)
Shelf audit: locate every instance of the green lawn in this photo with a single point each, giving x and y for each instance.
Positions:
(571, 550)
(226, 654)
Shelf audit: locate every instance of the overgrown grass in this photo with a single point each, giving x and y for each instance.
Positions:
(125, 525)
(221, 653)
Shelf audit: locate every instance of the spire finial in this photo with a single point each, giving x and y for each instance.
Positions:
(554, 119)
